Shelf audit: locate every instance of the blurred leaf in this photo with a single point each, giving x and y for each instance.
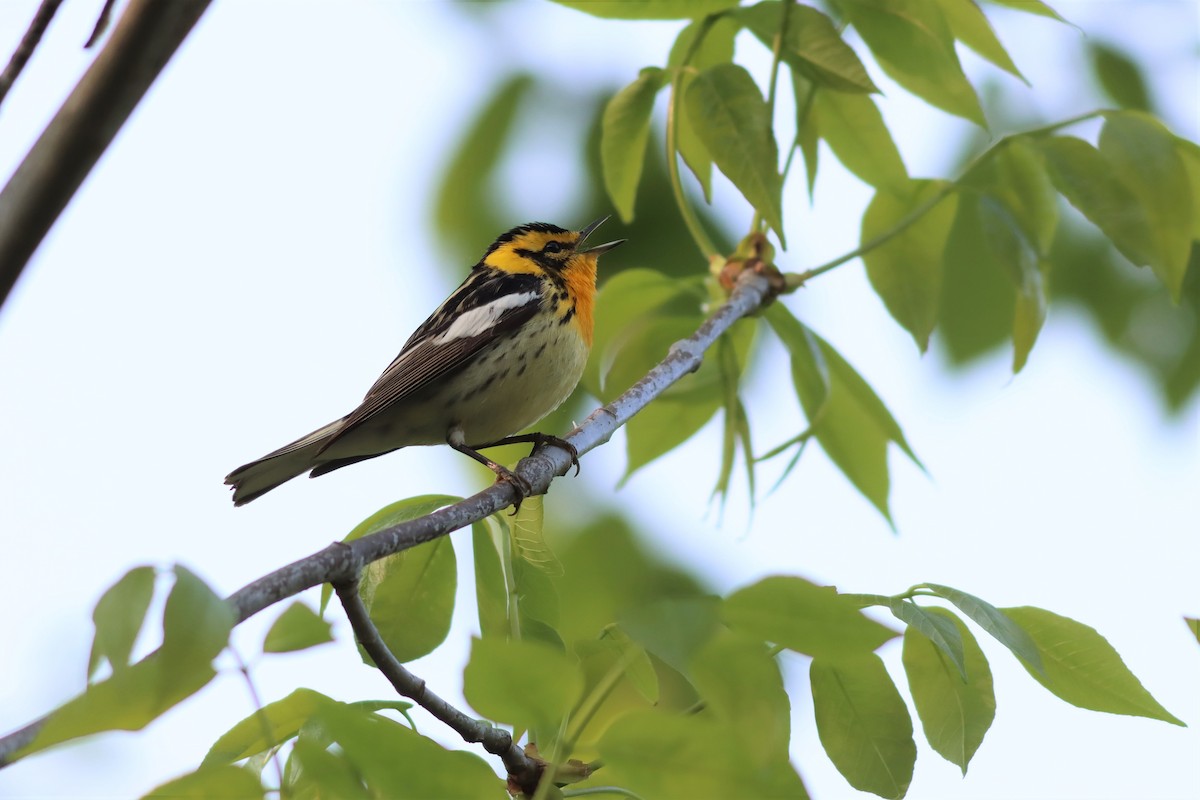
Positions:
(281, 719)
(938, 629)
(118, 618)
(1015, 175)
(1082, 668)
(812, 45)
(613, 656)
(1189, 153)
(801, 616)
(385, 752)
(1193, 626)
(537, 600)
(464, 202)
(625, 131)
(1031, 7)
(731, 118)
(682, 758)
(297, 628)
(971, 27)
(913, 43)
(315, 773)
(743, 689)
(1143, 156)
(994, 621)
(863, 724)
(672, 628)
(807, 127)
(1008, 246)
(664, 425)
(228, 783)
(955, 711)
(1119, 76)
(521, 683)
(196, 626)
(491, 593)
(906, 272)
(529, 539)
(648, 9)
(858, 136)
(715, 48)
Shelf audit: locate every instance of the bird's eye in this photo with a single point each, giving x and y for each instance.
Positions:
(552, 247)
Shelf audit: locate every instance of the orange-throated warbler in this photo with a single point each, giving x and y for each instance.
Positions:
(503, 351)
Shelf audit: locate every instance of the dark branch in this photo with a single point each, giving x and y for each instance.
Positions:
(146, 36)
(340, 563)
(29, 42)
(497, 741)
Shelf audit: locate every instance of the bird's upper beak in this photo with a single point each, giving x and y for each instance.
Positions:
(600, 248)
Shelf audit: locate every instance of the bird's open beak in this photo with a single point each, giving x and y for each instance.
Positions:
(600, 248)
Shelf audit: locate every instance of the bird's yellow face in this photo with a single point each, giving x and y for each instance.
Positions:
(559, 256)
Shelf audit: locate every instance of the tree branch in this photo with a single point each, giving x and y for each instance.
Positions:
(29, 42)
(340, 563)
(145, 38)
(497, 741)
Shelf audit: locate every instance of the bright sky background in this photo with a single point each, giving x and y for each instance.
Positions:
(255, 247)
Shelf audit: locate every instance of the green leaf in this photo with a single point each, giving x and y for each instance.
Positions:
(118, 617)
(955, 711)
(1089, 183)
(1036, 7)
(994, 621)
(812, 45)
(858, 136)
(1119, 76)
(673, 628)
(525, 684)
(730, 116)
(1193, 626)
(410, 597)
(463, 200)
(863, 724)
(397, 763)
(906, 272)
(196, 626)
(851, 422)
(648, 9)
(1008, 246)
(1016, 176)
(1189, 153)
(664, 425)
(804, 617)
(937, 628)
(228, 783)
(913, 43)
(1082, 668)
(683, 758)
(1144, 158)
(270, 726)
(529, 537)
(491, 593)
(971, 27)
(297, 628)
(614, 647)
(715, 48)
(807, 126)
(315, 773)
(624, 130)
(743, 688)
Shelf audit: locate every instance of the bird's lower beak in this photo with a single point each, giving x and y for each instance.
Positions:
(600, 248)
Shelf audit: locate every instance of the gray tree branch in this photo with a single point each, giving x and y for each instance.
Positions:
(341, 563)
(497, 741)
(145, 38)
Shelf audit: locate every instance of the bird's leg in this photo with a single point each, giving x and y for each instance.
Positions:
(537, 439)
(519, 484)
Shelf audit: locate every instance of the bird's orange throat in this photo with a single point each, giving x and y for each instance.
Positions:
(581, 286)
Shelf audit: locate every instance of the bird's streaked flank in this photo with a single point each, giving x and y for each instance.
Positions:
(503, 351)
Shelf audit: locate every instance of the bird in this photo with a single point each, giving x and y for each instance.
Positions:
(506, 348)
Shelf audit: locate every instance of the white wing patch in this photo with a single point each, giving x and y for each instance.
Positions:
(479, 320)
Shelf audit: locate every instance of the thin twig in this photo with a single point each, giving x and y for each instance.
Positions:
(341, 562)
(145, 38)
(29, 42)
(496, 741)
(101, 24)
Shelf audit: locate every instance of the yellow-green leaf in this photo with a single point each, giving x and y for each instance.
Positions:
(858, 136)
(648, 9)
(1082, 668)
(906, 271)
(624, 130)
(812, 45)
(729, 115)
(118, 617)
(226, 782)
(715, 48)
(971, 27)
(1119, 76)
(297, 628)
(526, 684)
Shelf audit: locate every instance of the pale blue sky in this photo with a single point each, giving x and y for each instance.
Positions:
(250, 254)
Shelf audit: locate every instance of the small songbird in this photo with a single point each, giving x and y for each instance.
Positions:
(502, 352)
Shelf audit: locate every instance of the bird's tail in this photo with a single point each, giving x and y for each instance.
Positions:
(259, 477)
